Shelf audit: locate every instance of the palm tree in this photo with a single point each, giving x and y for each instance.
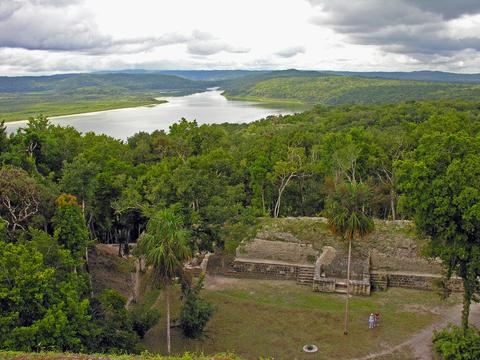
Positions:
(347, 218)
(164, 245)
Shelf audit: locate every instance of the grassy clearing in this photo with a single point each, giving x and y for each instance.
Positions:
(276, 318)
(12, 355)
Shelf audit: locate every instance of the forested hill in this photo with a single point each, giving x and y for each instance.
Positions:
(98, 83)
(320, 88)
(438, 76)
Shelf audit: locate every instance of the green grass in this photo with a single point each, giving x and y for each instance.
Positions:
(276, 318)
(14, 355)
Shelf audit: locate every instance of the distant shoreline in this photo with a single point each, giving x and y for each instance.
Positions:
(158, 101)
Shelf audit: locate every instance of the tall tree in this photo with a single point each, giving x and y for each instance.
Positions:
(69, 226)
(19, 197)
(285, 171)
(78, 178)
(441, 183)
(164, 246)
(347, 218)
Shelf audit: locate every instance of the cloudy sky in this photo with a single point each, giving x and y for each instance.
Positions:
(54, 36)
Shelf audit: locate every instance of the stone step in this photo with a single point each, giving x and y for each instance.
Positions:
(305, 282)
(305, 275)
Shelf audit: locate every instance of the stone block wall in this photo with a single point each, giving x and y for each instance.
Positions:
(358, 287)
(382, 280)
(379, 280)
(324, 285)
(261, 270)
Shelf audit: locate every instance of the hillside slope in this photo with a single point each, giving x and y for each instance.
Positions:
(334, 90)
(393, 246)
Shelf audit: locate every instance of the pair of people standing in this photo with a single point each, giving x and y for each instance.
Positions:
(373, 320)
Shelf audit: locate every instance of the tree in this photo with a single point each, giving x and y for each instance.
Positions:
(165, 248)
(454, 343)
(196, 311)
(19, 197)
(78, 178)
(69, 225)
(34, 135)
(39, 310)
(394, 145)
(441, 185)
(4, 142)
(115, 331)
(285, 171)
(347, 218)
(3, 230)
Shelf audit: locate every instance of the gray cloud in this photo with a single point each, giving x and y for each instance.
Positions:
(291, 51)
(47, 25)
(204, 44)
(415, 28)
(448, 9)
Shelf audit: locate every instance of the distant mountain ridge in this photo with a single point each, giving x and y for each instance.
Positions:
(64, 94)
(424, 75)
(99, 82)
(222, 75)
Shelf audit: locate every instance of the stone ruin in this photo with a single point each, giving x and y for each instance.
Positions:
(331, 272)
(382, 263)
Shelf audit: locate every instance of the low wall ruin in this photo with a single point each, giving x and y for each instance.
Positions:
(408, 280)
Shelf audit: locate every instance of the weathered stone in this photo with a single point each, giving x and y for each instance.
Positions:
(281, 251)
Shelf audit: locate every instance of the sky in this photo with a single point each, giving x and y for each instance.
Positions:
(59, 36)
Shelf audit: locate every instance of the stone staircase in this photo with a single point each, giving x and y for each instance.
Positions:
(341, 287)
(305, 275)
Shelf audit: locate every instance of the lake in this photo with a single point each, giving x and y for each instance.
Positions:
(208, 107)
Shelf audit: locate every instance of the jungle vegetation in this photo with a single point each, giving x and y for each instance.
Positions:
(62, 191)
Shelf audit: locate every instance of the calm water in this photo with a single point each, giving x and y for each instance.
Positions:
(207, 108)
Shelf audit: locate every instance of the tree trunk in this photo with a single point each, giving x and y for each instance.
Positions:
(136, 290)
(345, 326)
(392, 204)
(467, 299)
(167, 301)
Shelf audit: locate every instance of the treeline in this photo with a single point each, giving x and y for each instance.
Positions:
(61, 191)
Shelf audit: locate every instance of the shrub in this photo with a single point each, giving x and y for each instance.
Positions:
(196, 311)
(453, 343)
(143, 320)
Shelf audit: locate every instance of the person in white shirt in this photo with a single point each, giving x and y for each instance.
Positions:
(371, 321)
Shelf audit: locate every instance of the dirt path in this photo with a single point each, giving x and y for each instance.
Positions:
(421, 342)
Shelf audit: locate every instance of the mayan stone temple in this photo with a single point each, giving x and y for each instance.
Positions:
(302, 249)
